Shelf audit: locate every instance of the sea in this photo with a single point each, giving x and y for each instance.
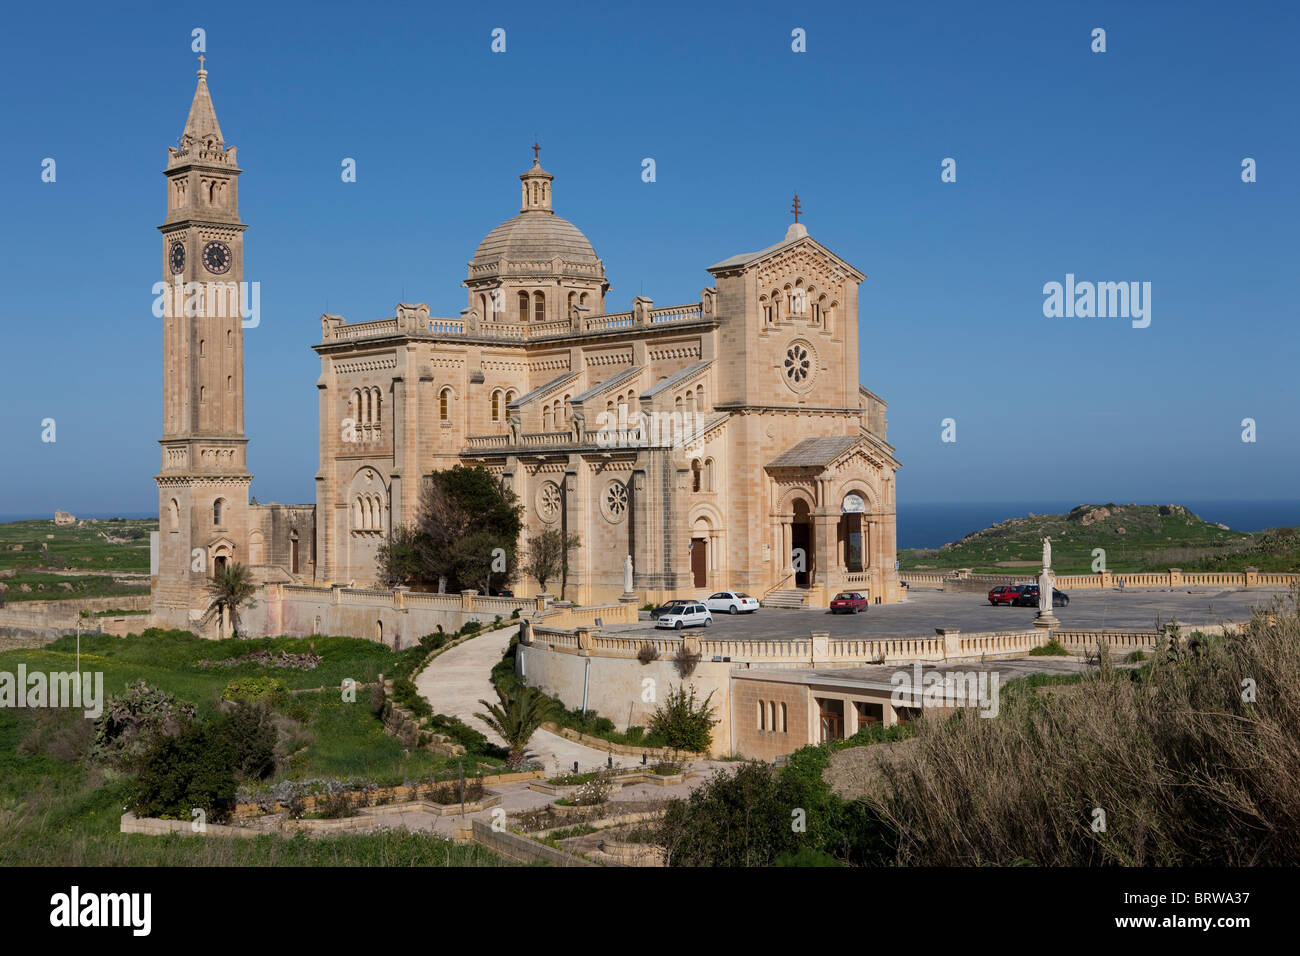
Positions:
(932, 524)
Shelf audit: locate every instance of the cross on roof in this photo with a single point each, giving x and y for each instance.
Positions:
(796, 208)
(536, 149)
(200, 61)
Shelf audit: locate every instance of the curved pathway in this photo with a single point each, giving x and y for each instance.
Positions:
(455, 681)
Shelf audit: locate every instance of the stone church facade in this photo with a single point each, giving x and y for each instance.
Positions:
(724, 443)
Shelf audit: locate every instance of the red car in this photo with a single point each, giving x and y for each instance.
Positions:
(1005, 594)
(850, 602)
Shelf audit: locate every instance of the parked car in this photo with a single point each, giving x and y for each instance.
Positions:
(1006, 594)
(674, 603)
(848, 602)
(733, 602)
(1029, 597)
(686, 615)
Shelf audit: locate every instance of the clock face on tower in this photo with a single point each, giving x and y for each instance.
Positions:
(177, 258)
(217, 257)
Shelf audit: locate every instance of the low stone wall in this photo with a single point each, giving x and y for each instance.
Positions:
(622, 750)
(512, 846)
(1173, 578)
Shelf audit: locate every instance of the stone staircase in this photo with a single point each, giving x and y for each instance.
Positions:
(788, 598)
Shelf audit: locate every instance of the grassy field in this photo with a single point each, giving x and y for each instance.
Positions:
(56, 808)
(40, 560)
(1135, 538)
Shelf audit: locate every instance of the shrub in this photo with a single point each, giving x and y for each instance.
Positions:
(683, 722)
(1204, 774)
(270, 691)
(685, 661)
(131, 723)
(249, 737)
(1052, 648)
(406, 694)
(184, 773)
(465, 735)
(647, 653)
(593, 793)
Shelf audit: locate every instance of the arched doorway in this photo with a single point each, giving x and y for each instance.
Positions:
(801, 544)
(700, 553)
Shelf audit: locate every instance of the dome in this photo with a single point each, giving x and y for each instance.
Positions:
(533, 236)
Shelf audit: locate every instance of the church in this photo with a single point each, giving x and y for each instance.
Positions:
(725, 443)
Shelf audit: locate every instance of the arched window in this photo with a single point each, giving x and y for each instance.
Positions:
(783, 716)
(523, 306)
(699, 397)
(776, 305)
(539, 307)
(378, 406)
(573, 301)
(708, 474)
(697, 476)
(218, 511)
(771, 714)
(203, 394)
(546, 418)
(174, 510)
(202, 347)
(510, 396)
(677, 405)
(358, 520)
(762, 711)
(496, 406)
(230, 383)
(354, 406)
(444, 403)
(230, 339)
(482, 307)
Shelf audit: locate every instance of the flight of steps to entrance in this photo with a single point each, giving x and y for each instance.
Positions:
(790, 598)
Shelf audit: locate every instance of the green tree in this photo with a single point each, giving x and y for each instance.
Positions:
(516, 717)
(548, 555)
(230, 589)
(399, 557)
(685, 722)
(458, 504)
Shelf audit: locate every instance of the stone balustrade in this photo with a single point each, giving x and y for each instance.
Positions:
(1173, 578)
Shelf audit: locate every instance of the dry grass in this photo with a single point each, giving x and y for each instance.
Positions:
(1186, 771)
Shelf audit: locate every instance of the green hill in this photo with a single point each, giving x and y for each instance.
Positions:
(1134, 537)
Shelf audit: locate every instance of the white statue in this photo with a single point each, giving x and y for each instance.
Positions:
(1047, 552)
(627, 575)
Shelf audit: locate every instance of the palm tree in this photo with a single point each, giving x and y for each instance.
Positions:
(231, 587)
(516, 718)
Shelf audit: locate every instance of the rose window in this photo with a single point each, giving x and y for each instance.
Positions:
(615, 501)
(798, 364)
(548, 501)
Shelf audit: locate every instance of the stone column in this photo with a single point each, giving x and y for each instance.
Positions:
(850, 718)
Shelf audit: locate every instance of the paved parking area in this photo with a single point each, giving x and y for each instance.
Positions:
(926, 610)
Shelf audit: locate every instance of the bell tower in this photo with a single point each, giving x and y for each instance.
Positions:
(204, 481)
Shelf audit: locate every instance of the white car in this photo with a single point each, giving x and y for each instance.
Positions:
(685, 615)
(733, 602)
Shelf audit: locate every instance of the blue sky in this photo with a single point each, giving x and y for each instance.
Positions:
(1115, 166)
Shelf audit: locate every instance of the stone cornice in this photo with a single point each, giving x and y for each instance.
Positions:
(629, 334)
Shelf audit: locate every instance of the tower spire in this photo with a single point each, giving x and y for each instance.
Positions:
(201, 125)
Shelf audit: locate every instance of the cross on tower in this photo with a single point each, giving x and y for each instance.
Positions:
(796, 208)
(200, 61)
(536, 149)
